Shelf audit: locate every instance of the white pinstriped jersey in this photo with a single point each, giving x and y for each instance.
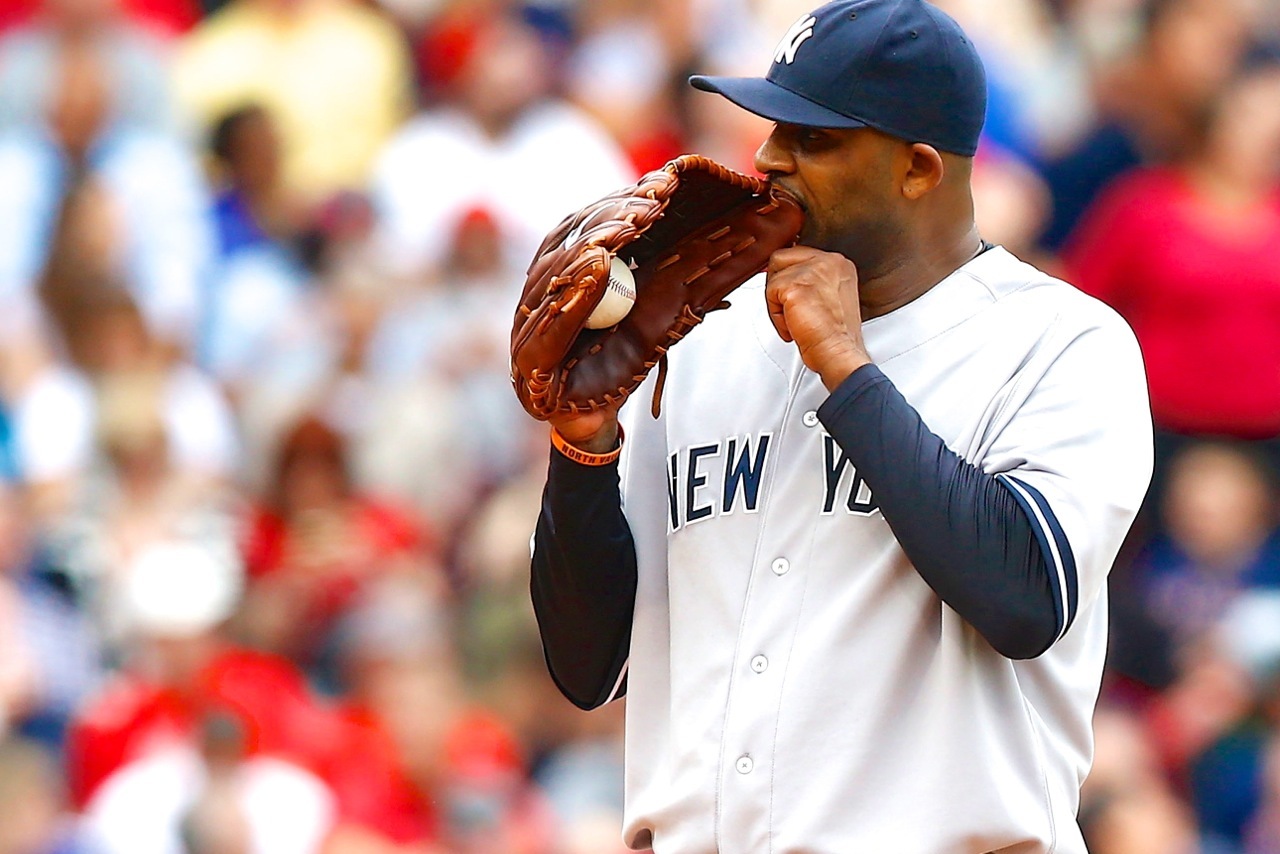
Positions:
(794, 685)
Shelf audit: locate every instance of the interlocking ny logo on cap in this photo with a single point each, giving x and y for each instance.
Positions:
(799, 33)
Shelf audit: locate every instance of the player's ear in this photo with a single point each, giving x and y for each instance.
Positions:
(925, 169)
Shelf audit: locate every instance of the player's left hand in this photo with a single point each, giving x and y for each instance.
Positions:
(813, 301)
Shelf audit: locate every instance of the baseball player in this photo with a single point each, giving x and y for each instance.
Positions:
(852, 579)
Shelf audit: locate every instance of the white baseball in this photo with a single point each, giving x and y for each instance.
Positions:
(619, 296)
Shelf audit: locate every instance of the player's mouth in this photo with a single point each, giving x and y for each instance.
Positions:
(795, 197)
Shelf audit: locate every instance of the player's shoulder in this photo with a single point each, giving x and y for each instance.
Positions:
(1024, 293)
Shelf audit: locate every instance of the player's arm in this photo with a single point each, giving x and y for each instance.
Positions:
(583, 581)
(964, 530)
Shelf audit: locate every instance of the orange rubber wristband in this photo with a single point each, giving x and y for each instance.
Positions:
(583, 457)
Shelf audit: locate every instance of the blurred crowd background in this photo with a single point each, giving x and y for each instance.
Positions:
(266, 495)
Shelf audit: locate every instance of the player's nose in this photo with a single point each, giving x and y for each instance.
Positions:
(773, 158)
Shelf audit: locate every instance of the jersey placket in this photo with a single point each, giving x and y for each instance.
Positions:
(770, 618)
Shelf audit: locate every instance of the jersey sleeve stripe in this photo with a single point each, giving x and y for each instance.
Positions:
(1053, 543)
(619, 685)
(1064, 549)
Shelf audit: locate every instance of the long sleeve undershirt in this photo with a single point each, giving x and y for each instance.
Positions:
(962, 529)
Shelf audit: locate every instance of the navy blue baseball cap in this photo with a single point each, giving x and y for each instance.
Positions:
(903, 67)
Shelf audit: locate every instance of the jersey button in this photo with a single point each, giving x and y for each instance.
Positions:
(781, 566)
(744, 765)
(810, 418)
(759, 664)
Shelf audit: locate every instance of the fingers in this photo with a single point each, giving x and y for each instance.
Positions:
(785, 265)
(790, 257)
(777, 315)
(812, 296)
(788, 270)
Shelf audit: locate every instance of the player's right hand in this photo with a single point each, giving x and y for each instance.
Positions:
(593, 432)
(813, 301)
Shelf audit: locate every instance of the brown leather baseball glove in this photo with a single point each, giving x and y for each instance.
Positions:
(691, 232)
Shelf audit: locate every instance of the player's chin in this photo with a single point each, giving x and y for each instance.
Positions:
(814, 238)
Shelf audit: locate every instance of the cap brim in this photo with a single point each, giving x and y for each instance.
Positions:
(766, 98)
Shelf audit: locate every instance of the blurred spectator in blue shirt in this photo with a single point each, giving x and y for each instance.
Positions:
(1221, 539)
(151, 228)
(259, 283)
(50, 659)
(8, 462)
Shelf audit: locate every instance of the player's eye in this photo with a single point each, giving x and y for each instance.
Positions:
(801, 138)
(811, 138)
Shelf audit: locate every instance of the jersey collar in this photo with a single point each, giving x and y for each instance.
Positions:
(961, 295)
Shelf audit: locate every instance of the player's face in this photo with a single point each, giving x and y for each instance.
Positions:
(845, 181)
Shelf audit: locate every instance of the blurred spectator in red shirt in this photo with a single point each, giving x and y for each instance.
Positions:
(179, 675)
(172, 601)
(426, 763)
(1187, 255)
(162, 17)
(1151, 99)
(316, 541)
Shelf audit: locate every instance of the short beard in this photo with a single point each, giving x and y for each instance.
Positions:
(874, 246)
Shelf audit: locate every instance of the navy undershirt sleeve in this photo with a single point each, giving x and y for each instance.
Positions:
(963, 530)
(584, 581)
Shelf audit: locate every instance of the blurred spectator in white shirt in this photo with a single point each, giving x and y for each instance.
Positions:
(501, 142)
(141, 495)
(57, 405)
(212, 798)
